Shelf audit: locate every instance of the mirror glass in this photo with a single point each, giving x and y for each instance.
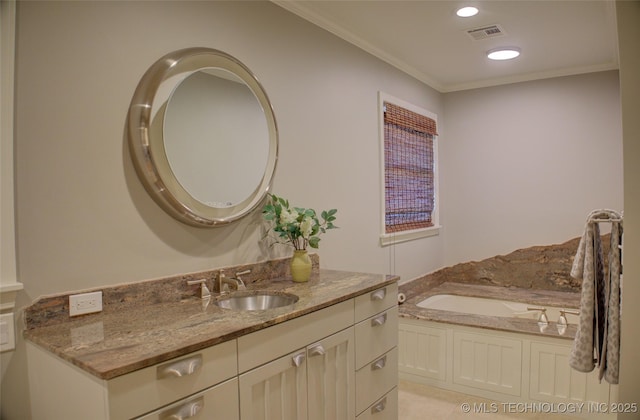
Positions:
(215, 131)
(203, 137)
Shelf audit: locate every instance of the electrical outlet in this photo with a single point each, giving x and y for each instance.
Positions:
(85, 303)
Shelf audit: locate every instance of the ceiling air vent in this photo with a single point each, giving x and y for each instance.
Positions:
(485, 32)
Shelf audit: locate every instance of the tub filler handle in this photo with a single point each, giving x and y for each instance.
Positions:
(562, 323)
(379, 320)
(543, 314)
(563, 316)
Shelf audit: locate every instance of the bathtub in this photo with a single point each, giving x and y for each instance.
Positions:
(495, 347)
(491, 307)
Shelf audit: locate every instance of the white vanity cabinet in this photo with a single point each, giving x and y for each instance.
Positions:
(315, 381)
(352, 371)
(335, 363)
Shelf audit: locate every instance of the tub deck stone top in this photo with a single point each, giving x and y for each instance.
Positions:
(127, 336)
(537, 275)
(420, 289)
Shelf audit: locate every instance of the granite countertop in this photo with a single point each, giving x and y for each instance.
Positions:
(417, 291)
(120, 340)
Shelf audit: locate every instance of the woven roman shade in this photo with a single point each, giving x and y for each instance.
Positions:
(409, 169)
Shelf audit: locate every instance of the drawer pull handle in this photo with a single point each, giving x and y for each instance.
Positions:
(316, 350)
(379, 294)
(185, 411)
(380, 406)
(180, 368)
(379, 320)
(298, 359)
(380, 363)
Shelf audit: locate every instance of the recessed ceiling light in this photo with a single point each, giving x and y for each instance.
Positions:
(467, 11)
(503, 53)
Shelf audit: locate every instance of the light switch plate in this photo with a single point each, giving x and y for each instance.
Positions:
(7, 333)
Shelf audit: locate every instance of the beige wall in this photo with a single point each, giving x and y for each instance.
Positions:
(84, 219)
(628, 14)
(524, 164)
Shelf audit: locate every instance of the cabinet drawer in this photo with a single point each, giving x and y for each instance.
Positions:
(376, 379)
(218, 402)
(377, 301)
(376, 336)
(386, 408)
(270, 343)
(149, 388)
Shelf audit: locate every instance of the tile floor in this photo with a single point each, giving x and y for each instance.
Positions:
(422, 402)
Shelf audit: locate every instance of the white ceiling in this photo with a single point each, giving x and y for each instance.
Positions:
(427, 40)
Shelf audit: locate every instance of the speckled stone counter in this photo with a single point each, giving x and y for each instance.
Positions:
(418, 290)
(127, 336)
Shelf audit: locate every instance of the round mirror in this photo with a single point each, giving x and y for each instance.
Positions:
(203, 136)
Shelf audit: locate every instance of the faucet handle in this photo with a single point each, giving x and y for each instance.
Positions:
(241, 285)
(562, 320)
(543, 319)
(204, 290)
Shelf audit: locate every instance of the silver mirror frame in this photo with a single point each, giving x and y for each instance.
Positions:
(146, 143)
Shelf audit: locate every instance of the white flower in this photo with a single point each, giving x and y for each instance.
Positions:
(287, 217)
(306, 226)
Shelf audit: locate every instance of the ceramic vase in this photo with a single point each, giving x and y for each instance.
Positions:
(300, 266)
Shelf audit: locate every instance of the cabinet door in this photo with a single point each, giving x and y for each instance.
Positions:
(276, 390)
(331, 377)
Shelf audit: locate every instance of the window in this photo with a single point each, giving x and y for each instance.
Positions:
(409, 154)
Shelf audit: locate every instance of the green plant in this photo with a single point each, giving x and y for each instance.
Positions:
(297, 226)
